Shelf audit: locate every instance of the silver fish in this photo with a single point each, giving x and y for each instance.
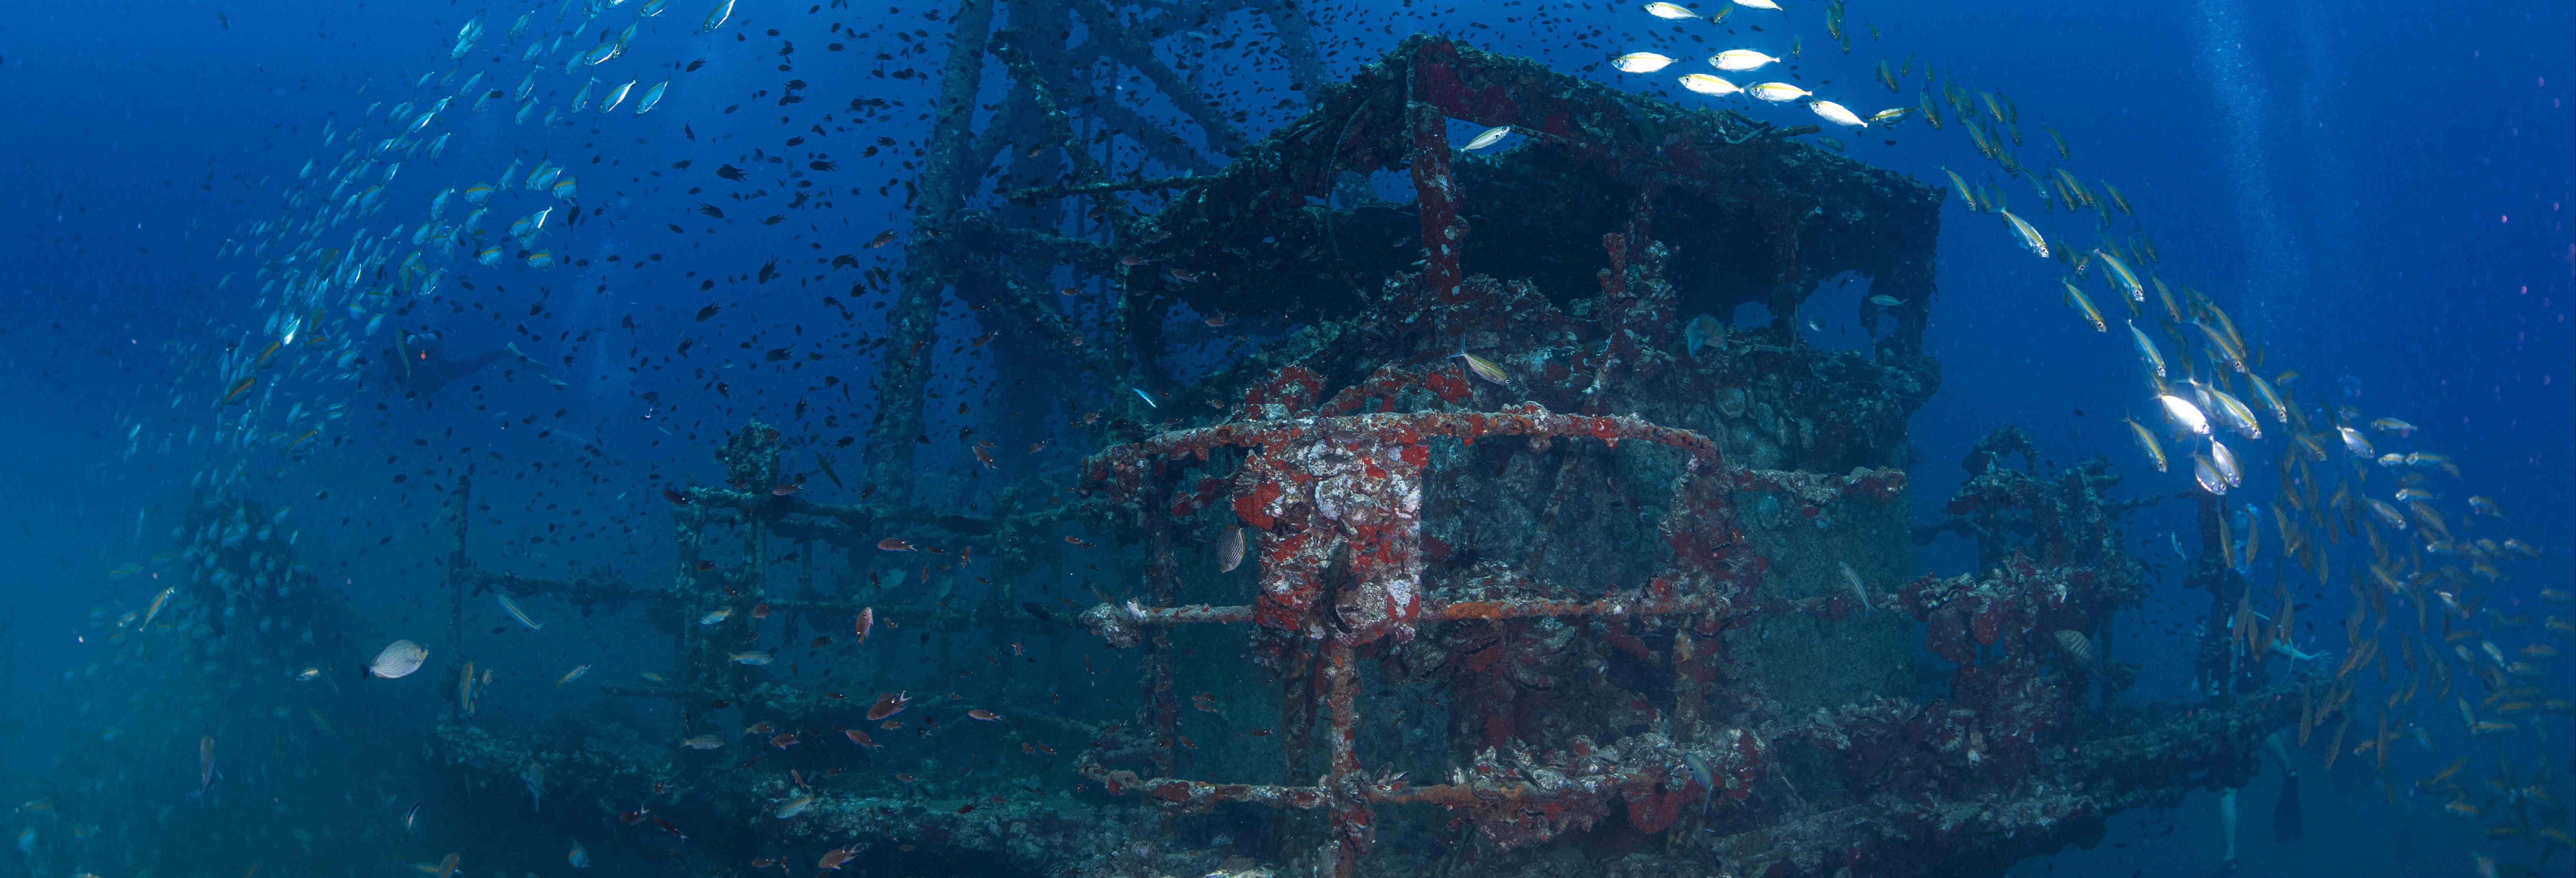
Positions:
(1853, 579)
(716, 17)
(1490, 137)
(399, 659)
(1229, 550)
(512, 607)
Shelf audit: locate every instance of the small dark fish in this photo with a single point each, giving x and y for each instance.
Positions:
(832, 859)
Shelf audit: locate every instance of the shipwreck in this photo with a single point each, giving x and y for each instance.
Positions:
(1642, 603)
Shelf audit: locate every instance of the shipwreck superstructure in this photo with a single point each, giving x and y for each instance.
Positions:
(1642, 603)
(1638, 603)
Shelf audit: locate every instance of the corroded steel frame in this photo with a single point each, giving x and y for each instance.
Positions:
(1364, 473)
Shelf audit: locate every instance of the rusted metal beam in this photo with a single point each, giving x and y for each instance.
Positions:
(1119, 623)
(1435, 188)
(948, 176)
(1120, 467)
(1050, 193)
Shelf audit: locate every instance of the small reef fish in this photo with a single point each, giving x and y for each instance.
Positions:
(702, 742)
(2123, 277)
(2308, 444)
(1776, 92)
(1229, 550)
(2206, 474)
(2027, 234)
(2225, 462)
(2076, 645)
(398, 659)
(2225, 347)
(1669, 11)
(716, 17)
(2147, 442)
(2235, 415)
(2075, 298)
(834, 858)
(1640, 62)
(1853, 579)
(2271, 401)
(754, 657)
(2184, 416)
(1490, 137)
(719, 615)
(440, 869)
(2386, 513)
(512, 607)
(1740, 60)
(205, 764)
(158, 601)
(1483, 368)
(1706, 84)
(652, 98)
(1837, 114)
(2147, 350)
(574, 674)
(2354, 442)
(1965, 194)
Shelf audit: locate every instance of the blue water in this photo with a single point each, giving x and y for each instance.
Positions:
(2380, 196)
